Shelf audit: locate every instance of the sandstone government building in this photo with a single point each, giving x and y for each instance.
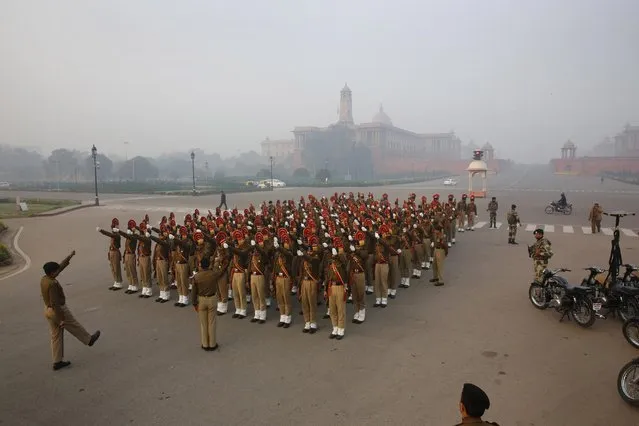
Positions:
(373, 149)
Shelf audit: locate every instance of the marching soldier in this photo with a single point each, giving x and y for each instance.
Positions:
(540, 252)
(441, 251)
(427, 229)
(405, 258)
(282, 279)
(461, 213)
(144, 259)
(161, 254)
(114, 256)
(221, 262)
(393, 263)
(182, 249)
(310, 274)
(449, 223)
(204, 296)
(417, 252)
(257, 269)
(471, 212)
(238, 272)
(359, 258)
(513, 222)
(370, 259)
(493, 206)
(382, 258)
(130, 246)
(336, 290)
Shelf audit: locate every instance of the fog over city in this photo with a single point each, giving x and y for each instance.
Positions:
(220, 76)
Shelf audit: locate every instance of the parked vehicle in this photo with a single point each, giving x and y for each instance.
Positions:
(450, 182)
(628, 382)
(615, 299)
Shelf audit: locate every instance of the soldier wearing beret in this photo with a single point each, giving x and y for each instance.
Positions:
(540, 252)
(474, 402)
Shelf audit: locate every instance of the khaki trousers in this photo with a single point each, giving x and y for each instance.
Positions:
(182, 278)
(428, 250)
(115, 260)
(438, 264)
(358, 288)
(337, 305)
(258, 292)
(129, 267)
(369, 267)
(381, 280)
(57, 334)
(393, 272)
(471, 219)
(223, 288)
(460, 221)
(145, 271)
(239, 290)
(405, 262)
(595, 225)
(207, 313)
(283, 294)
(418, 258)
(309, 300)
(162, 270)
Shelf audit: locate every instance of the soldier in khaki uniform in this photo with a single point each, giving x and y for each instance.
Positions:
(182, 250)
(461, 213)
(204, 297)
(114, 256)
(161, 254)
(58, 315)
(310, 274)
(595, 217)
(238, 272)
(441, 251)
(336, 283)
(221, 261)
(282, 278)
(393, 241)
(257, 269)
(357, 275)
(471, 212)
(130, 247)
(144, 259)
(405, 258)
(473, 404)
(383, 252)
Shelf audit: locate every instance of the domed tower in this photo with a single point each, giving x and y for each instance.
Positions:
(346, 105)
(381, 117)
(569, 150)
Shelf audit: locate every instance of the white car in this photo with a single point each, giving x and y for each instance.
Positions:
(5, 184)
(450, 182)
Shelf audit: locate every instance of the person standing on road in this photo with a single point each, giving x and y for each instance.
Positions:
(594, 217)
(441, 251)
(471, 212)
(114, 256)
(513, 222)
(223, 201)
(58, 315)
(493, 206)
(473, 404)
(204, 297)
(540, 252)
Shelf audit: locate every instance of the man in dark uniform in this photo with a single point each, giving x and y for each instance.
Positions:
(58, 315)
(223, 201)
(474, 402)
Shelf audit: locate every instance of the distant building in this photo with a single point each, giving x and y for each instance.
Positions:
(625, 158)
(277, 148)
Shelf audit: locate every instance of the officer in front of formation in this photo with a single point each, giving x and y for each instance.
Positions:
(204, 297)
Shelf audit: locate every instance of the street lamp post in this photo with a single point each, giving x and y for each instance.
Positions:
(271, 158)
(206, 175)
(94, 154)
(193, 168)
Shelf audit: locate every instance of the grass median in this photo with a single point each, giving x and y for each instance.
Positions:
(9, 209)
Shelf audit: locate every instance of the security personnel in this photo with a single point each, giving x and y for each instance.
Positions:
(441, 251)
(204, 297)
(393, 241)
(257, 269)
(473, 404)
(182, 250)
(540, 252)
(405, 258)
(222, 261)
(114, 256)
(493, 206)
(471, 212)
(161, 254)
(239, 262)
(282, 262)
(357, 276)
(461, 213)
(310, 275)
(144, 259)
(130, 247)
(58, 315)
(336, 288)
(513, 222)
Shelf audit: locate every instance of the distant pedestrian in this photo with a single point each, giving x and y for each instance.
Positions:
(512, 217)
(58, 315)
(493, 206)
(474, 402)
(223, 201)
(594, 217)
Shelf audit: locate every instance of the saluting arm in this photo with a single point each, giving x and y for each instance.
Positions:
(107, 233)
(65, 263)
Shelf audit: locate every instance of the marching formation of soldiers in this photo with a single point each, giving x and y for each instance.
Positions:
(339, 249)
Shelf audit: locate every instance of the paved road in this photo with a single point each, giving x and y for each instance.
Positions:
(405, 365)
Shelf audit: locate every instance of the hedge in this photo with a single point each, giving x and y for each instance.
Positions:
(5, 255)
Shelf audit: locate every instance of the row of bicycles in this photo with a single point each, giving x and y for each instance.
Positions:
(597, 298)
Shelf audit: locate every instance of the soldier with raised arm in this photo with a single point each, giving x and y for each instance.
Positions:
(282, 261)
(336, 287)
(161, 256)
(113, 255)
(182, 247)
(310, 277)
(239, 263)
(130, 246)
(144, 258)
(357, 276)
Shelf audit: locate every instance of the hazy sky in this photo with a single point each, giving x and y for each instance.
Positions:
(222, 75)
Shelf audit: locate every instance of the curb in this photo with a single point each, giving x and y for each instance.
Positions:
(63, 210)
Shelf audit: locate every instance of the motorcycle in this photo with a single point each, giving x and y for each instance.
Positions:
(555, 292)
(554, 207)
(631, 331)
(629, 278)
(628, 382)
(616, 299)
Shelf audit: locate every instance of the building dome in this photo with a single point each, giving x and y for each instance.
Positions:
(488, 147)
(382, 117)
(569, 145)
(477, 166)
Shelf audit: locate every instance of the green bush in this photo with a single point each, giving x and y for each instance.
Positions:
(2, 226)
(5, 255)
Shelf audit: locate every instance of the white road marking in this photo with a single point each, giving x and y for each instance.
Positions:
(628, 232)
(531, 227)
(498, 224)
(606, 231)
(480, 225)
(569, 229)
(27, 259)
(549, 228)
(586, 230)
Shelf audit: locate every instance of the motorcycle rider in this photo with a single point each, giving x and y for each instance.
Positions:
(562, 201)
(540, 252)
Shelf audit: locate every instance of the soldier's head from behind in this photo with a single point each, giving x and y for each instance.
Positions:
(205, 262)
(494, 198)
(514, 206)
(51, 269)
(474, 401)
(539, 233)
